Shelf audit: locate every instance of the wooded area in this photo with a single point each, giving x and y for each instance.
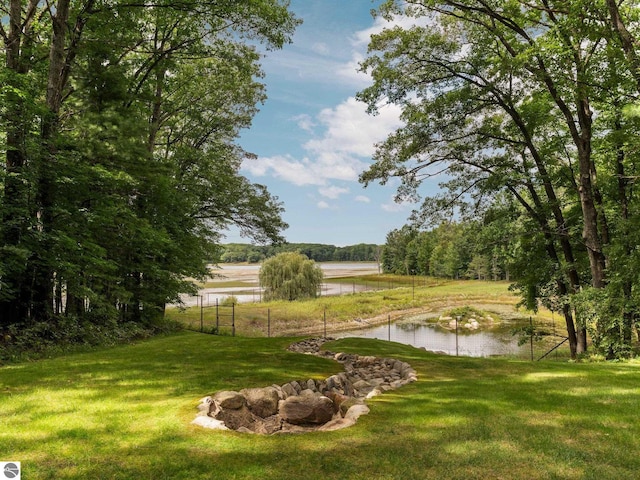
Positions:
(118, 128)
(318, 252)
(529, 110)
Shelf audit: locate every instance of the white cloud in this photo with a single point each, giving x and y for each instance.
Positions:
(363, 199)
(285, 167)
(320, 48)
(394, 207)
(323, 205)
(349, 139)
(305, 122)
(350, 130)
(332, 191)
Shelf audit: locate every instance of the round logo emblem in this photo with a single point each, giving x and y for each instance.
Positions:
(11, 470)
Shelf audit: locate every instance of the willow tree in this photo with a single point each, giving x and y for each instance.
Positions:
(290, 276)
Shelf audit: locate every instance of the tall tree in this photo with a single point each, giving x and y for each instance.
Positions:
(502, 94)
(122, 167)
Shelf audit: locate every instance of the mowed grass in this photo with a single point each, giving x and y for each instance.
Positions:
(125, 413)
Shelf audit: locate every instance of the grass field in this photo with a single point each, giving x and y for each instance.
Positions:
(125, 413)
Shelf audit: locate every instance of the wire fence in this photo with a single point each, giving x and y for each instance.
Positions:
(518, 339)
(340, 286)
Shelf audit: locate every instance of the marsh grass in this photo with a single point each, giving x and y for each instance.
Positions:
(125, 413)
(345, 312)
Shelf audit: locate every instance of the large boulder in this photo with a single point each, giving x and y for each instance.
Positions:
(229, 400)
(237, 418)
(307, 410)
(262, 402)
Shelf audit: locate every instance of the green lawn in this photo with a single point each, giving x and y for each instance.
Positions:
(125, 413)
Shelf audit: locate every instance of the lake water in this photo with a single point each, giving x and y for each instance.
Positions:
(432, 337)
(248, 274)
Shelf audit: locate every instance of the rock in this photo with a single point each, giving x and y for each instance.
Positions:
(337, 424)
(362, 385)
(262, 402)
(346, 404)
(356, 411)
(308, 405)
(229, 400)
(204, 407)
(374, 393)
(208, 422)
(288, 390)
(337, 398)
(236, 418)
(314, 410)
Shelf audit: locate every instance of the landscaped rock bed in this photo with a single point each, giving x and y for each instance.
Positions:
(306, 405)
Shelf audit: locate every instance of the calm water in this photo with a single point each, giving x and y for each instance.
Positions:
(427, 334)
(249, 274)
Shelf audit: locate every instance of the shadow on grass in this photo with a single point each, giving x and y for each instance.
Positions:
(124, 413)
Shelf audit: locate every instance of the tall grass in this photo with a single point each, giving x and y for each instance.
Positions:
(125, 412)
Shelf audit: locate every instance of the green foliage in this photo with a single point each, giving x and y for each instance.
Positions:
(501, 96)
(229, 301)
(121, 166)
(290, 276)
(238, 252)
(452, 250)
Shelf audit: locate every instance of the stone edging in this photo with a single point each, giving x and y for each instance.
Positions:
(308, 405)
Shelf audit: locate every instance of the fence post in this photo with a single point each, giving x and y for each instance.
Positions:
(268, 322)
(201, 315)
(457, 351)
(531, 336)
(325, 322)
(233, 319)
(217, 317)
(389, 328)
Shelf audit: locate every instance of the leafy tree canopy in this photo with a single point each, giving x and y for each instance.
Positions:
(290, 276)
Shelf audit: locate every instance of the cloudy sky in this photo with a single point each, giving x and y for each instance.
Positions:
(312, 138)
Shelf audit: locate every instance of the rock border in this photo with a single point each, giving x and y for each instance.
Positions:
(306, 405)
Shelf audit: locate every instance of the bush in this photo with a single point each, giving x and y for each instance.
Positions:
(63, 334)
(290, 276)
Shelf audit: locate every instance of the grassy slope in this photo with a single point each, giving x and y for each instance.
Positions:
(124, 413)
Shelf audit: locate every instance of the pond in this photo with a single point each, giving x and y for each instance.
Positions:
(427, 333)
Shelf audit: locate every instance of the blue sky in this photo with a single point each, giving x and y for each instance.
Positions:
(313, 139)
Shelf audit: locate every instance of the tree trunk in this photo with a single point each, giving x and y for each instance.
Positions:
(15, 297)
(627, 40)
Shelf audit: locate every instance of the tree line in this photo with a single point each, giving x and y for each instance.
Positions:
(118, 129)
(456, 250)
(529, 114)
(318, 252)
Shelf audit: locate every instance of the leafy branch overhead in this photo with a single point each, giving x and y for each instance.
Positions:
(526, 104)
